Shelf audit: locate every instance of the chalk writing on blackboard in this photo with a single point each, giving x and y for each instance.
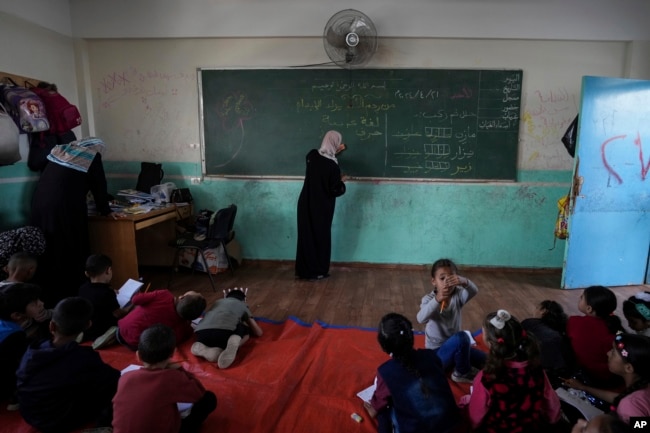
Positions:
(398, 123)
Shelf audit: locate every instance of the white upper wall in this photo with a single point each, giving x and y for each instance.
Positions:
(599, 20)
(50, 14)
(613, 20)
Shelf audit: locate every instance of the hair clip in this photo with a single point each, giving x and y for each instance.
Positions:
(643, 310)
(499, 321)
(523, 333)
(621, 346)
(643, 296)
(500, 340)
(239, 289)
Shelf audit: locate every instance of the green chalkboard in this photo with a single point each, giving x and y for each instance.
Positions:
(396, 123)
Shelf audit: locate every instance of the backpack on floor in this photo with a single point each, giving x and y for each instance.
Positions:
(63, 116)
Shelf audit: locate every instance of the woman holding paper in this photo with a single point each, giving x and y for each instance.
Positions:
(323, 184)
(59, 209)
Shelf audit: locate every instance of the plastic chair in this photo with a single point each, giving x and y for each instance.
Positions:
(220, 232)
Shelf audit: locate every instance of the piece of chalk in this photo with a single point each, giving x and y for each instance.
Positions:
(356, 417)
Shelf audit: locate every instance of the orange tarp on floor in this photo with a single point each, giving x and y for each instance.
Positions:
(296, 377)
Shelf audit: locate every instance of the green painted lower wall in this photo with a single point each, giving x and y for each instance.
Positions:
(476, 224)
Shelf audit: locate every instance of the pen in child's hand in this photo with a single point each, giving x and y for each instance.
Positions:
(442, 305)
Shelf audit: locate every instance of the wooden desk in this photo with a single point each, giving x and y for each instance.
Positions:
(134, 240)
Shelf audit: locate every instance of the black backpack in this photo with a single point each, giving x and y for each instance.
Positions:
(151, 174)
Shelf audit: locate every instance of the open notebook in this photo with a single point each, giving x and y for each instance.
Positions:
(578, 400)
(126, 292)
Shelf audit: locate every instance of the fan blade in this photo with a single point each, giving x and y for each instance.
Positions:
(335, 38)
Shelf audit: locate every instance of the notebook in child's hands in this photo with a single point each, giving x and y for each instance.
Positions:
(127, 291)
(578, 400)
(183, 408)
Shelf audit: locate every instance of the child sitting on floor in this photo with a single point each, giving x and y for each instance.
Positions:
(20, 268)
(19, 304)
(162, 307)
(412, 392)
(636, 310)
(549, 328)
(441, 311)
(106, 310)
(146, 399)
(62, 385)
(628, 357)
(591, 336)
(225, 327)
(512, 392)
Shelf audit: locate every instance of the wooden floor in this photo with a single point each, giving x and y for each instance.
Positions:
(360, 296)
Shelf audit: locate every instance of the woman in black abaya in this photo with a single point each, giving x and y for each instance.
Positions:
(59, 210)
(323, 183)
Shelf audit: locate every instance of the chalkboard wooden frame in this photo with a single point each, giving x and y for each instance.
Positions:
(398, 124)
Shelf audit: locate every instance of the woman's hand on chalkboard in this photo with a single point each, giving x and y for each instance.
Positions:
(341, 148)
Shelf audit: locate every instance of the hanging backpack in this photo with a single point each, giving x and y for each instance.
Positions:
(151, 174)
(9, 139)
(63, 116)
(25, 107)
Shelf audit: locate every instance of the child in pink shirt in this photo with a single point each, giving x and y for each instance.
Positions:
(512, 392)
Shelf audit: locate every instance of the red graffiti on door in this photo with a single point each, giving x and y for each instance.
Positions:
(645, 166)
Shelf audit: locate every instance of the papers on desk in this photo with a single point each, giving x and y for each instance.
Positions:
(135, 196)
(127, 291)
(139, 209)
(183, 408)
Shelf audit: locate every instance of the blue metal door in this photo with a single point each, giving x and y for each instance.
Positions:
(609, 226)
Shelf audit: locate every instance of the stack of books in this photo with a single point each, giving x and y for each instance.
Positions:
(135, 196)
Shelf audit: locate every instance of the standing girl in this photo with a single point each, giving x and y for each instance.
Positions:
(591, 335)
(636, 310)
(412, 393)
(628, 357)
(323, 183)
(512, 393)
(440, 310)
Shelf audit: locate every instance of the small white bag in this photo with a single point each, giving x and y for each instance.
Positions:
(163, 192)
(9, 139)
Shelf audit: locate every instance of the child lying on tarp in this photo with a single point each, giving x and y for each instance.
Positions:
(225, 327)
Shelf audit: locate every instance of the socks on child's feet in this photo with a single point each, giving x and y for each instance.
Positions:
(227, 357)
(209, 353)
